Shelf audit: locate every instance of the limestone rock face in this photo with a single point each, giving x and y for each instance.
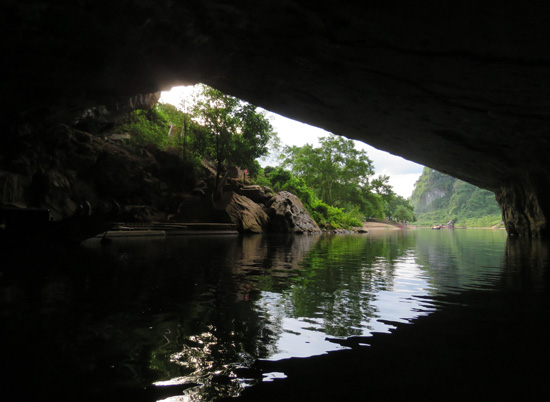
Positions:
(108, 113)
(288, 215)
(254, 192)
(65, 165)
(463, 90)
(246, 214)
(12, 188)
(525, 207)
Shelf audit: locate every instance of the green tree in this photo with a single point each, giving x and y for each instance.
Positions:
(334, 169)
(146, 127)
(401, 209)
(402, 213)
(163, 126)
(234, 131)
(325, 215)
(182, 130)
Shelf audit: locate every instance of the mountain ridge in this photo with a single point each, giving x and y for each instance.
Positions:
(439, 198)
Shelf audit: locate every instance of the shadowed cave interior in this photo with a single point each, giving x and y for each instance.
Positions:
(461, 88)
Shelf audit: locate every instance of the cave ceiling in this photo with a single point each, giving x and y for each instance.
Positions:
(462, 87)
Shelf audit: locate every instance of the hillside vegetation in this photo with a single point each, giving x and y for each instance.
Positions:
(438, 198)
(335, 181)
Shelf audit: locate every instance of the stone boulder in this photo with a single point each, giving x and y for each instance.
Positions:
(255, 193)
(288, 215)
(246, 214)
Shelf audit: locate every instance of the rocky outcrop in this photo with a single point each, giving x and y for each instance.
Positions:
(13, 188)
(282, 212)
(97, 117)
(247, 216)
(437, 194)
(255, 193)
(525, 207)
(288, 215)
(66, 165)
(463, 90)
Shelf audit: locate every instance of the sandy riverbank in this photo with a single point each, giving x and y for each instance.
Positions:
(383, 226)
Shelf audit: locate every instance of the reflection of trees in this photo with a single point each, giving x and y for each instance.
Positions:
(187, 310)
(267, 262)
(451, 258)
(221, 328)
(224, 329)
(340, 278)
(122, 317)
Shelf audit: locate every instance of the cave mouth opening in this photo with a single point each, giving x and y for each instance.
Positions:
(402, 173)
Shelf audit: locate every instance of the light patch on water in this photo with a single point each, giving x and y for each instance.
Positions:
(275, 375)
(296, 336)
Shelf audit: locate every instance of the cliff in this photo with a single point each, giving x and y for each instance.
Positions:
(438, 198)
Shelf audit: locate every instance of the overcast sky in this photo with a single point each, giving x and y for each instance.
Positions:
(403, 173)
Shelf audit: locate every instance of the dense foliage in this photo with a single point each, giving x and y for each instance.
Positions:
(326, 216)
(219, 127)
(341, 176)
(163, 126)
(333, 169)
(235, 132)
(334, 181)
(439, 198)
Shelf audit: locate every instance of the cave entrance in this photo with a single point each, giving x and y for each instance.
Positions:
(401, 172)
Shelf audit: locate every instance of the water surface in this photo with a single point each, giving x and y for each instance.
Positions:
(200, 318)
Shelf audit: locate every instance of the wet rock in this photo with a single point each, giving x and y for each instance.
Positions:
(288, 215)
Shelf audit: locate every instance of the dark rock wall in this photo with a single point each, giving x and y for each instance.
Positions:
(462, 87)
(58, 168)
(525, 206)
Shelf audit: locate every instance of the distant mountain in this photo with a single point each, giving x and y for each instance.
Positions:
(439, 198)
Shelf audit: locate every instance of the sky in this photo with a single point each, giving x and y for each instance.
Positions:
(402, 173)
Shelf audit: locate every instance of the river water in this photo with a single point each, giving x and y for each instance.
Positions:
(389, 315)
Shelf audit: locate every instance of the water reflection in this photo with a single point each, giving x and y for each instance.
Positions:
(185, 319)
(345, 284)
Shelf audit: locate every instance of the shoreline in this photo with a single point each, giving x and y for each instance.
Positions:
(465, 227)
